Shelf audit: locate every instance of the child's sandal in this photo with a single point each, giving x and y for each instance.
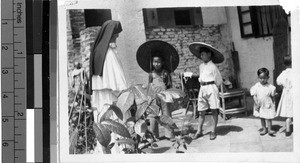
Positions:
(264, 132)
(288, 133)
(271, 132)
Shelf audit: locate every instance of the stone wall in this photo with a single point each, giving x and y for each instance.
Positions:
(87, 38)
(75, 24)
(77, 20)
(181, 36)
(69, 40)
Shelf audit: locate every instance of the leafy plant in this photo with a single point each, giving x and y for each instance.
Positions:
(181, 141)
(142, 101)
(82, 136)
(141, 137)
(135, 137)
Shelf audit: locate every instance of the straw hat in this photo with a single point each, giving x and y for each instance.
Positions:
(153, 48)
(216, 57)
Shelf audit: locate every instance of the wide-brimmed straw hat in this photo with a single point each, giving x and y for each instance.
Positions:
(153, 48)
(216, 57)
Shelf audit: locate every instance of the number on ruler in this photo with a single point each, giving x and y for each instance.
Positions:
(4, 23)
(19, 114)
(4, 47)
(5, 144)
(4, 71)
(4, 120)
(4, 96)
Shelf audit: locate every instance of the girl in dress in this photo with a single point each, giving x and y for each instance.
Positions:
(264, 107)
(159, 59)
(285, 106)
(160, 79)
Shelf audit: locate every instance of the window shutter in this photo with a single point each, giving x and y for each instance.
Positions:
(245, 20)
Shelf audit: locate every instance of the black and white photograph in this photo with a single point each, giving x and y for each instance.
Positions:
(173, 81)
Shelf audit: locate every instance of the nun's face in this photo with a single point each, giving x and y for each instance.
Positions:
(114, 38)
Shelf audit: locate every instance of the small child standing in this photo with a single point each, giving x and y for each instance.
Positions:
(159, 59)
(285, 106)
(264, 107)
(160, 79)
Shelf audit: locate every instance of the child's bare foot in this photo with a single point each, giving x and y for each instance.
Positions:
(263, 132)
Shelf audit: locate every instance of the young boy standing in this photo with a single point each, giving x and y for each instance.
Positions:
(210, 78)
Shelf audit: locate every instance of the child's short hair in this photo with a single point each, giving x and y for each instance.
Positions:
(205, 49)
(263, 70)
(158, 54)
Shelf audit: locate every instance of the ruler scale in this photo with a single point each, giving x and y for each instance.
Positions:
(13, 80)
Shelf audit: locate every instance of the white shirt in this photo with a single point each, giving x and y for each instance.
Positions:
(209, 72)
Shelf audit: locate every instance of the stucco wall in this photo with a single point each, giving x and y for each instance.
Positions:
(132, 36)
(254, 53)
(214, 15)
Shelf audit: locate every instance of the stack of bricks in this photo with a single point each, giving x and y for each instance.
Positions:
(180, 37)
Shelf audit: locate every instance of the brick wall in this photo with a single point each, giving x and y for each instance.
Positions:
(181, 36)
(69, 40)
(75, 24)
(87, 38)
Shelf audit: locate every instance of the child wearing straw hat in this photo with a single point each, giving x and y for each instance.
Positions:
(159, 59)
(160, 79)
(210, 78)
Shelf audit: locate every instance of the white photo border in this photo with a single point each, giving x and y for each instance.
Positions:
(62, 92)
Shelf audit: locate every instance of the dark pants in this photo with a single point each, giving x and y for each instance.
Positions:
(166, 110)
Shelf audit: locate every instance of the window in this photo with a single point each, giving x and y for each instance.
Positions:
(172, 17)
(182, 17)
(258, 21)
(245, 21)
(96, 17)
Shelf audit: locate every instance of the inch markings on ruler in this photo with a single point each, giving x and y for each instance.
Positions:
(13, 80)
